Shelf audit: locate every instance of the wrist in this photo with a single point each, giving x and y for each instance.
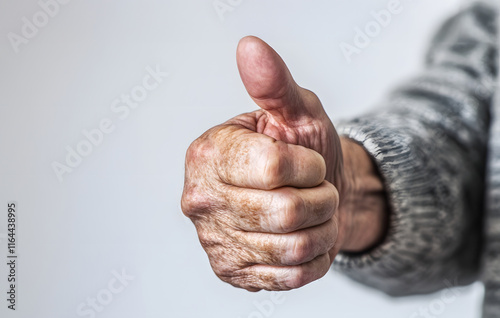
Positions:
(363, 208)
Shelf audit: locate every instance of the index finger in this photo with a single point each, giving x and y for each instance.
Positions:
(248, 159)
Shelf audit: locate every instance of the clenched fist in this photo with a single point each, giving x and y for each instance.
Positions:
(264, 188)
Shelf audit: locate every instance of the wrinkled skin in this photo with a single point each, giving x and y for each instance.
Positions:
(263, 188)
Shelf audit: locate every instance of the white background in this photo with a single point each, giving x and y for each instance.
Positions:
(119, 209)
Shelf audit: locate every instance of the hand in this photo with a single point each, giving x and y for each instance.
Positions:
(263, 188)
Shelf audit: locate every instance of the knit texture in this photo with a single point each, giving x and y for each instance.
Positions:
(429, 139)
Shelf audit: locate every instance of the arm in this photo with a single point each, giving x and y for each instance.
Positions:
(263, 189)
(365, 202)
(429, 144)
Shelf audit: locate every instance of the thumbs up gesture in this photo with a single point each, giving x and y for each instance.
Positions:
(264, 188)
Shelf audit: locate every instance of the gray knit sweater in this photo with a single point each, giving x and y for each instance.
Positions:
(431, 141)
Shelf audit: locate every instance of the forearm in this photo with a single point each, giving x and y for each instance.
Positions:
(365, 204)
(429, 143)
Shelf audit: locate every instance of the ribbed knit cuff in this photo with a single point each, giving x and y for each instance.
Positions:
(419, 229)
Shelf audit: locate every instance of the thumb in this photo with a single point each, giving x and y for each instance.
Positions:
(270, 84)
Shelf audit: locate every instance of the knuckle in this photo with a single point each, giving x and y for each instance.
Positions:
(195, 202)
(207, 240)
(275, 166)
(191, 151)
(335, 196)
(202, 147)
(332, 239)
(289, 218)
(302, 250)
(231, 274)
(197, 149)
(223, 271)
(187, 205)
(298, 278)
(195, 197)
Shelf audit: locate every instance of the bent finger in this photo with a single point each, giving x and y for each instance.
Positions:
(282, 210)
(289, 249)
(280, 278)
(251, 160)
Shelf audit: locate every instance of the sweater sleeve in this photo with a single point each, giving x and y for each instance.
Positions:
(429, 141)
